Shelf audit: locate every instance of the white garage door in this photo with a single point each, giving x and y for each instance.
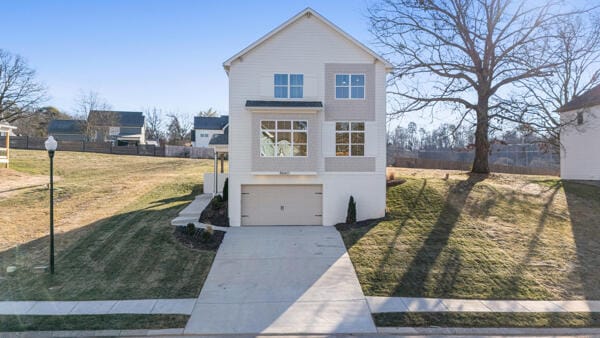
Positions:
(282, 204)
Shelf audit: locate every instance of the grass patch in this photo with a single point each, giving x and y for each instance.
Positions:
(129, 253)
(481, 237)
(91, 322)
(480, 319)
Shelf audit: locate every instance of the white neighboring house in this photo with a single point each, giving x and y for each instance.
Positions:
(307, 112)
(206, 127)
(580, 140)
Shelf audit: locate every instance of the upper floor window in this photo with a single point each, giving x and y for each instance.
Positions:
(289, 86)
(349, 86)
(349, 139)
(283, 138)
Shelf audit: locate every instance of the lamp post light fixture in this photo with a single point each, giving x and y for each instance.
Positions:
(51, 146)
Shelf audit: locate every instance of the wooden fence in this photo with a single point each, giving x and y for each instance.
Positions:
(451, 165)
(37, 143)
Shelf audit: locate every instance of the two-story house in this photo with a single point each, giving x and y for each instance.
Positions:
(119, 127)
(580, 137)
(205, 127)
(307, 118)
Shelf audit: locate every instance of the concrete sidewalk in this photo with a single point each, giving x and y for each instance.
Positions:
(98, 307)
(191, 213)
(281, 280)
(407, 304)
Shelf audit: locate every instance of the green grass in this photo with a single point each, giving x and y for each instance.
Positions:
(91, 322)
(128, 253)
(479, 319)
(478, 237)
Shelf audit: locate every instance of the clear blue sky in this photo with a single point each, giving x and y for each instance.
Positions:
(140, 53)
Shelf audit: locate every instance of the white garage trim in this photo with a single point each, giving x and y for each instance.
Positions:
(282, 204)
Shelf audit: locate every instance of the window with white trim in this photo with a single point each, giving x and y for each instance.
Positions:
(283, 138)
(349, 139)
(288, 86)
(349, 86)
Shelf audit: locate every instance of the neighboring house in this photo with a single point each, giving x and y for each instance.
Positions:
(307, 113)
(580, 139)
(67, 130)
(118, 127)
(206, 127)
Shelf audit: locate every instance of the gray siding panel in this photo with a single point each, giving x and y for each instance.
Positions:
(350, 164)
(361, 110)
(308, 163)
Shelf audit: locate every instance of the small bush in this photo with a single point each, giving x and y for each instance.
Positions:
(209, 229)
(351, 215)
(391, 176)
(206, 235)
(226, 189)
(191, 229)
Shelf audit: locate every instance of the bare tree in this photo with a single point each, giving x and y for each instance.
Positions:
(154, 124)
(20, 92)
(179, 129)
(464, 55)
(97, 124)
(578, 70)
(208, 113)
(36, 123)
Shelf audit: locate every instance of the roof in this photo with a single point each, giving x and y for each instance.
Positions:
(308, 12)
(125, 118)
(220, 139)
(588, 99)
(285, 104)
(210, 123)
(65, 126)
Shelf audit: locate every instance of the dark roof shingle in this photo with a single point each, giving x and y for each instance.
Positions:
(285, 104)
(66, 126)
(124, 118)
(588, 99)
(220, 139)
(210, 122)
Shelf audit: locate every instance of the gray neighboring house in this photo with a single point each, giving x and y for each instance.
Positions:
(206, 128)
(119, 127)
(67, 130)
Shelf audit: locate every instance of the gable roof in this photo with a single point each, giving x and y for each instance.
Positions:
(66, 126)
(124, 118)
(588, 99)
(308, 11)
(210, 122)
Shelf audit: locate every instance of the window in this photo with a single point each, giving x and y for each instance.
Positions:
(283, 138)
(289, 86)
(349, 139)
(579, 118)
(349, 86)
(203, 135)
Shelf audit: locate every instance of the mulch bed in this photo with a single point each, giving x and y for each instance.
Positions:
(215, 213)
(197, 240)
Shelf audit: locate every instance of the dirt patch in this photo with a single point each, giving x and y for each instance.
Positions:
(199, 240)
(13, 182)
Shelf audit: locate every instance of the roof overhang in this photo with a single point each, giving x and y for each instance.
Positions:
(308, 12)
(258, 106)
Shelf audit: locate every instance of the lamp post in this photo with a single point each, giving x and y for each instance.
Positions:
(51, 146)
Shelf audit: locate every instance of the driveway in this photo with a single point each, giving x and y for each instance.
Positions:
(281, 280)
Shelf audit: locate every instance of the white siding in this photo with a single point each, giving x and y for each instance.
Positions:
(580, 152)
(305, 47)
(202, 142)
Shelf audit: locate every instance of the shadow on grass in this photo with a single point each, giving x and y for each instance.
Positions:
(127, 256)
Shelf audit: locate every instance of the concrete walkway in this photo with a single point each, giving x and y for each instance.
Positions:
(191, 213)
(405, 304)
(281, 280)
(98, 307)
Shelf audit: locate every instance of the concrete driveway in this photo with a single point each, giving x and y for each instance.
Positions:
(281, 280)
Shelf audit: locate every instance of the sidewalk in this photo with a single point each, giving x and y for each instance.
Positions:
(98, 307)
(407, 304)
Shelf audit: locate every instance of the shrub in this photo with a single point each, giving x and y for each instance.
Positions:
(226, 189)
(351, 215)
(191, 229)
(206, 235)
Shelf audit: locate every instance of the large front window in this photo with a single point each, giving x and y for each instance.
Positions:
(349, 139)
(349, 86)
(283, 138)
(289, 86)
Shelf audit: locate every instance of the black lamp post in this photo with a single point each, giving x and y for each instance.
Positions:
(51, 146)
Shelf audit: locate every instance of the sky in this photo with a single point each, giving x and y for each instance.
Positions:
(138, 54)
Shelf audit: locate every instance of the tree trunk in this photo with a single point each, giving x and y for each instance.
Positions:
(482, 143)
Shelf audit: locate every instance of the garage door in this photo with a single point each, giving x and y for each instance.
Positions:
(282, 204)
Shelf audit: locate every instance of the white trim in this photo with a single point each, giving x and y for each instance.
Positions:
(308, 110)
(280, 173)
(350, 132)
(291, 131)
(308, 11)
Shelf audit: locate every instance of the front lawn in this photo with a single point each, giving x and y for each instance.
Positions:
(481, 237)
(128, 253)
